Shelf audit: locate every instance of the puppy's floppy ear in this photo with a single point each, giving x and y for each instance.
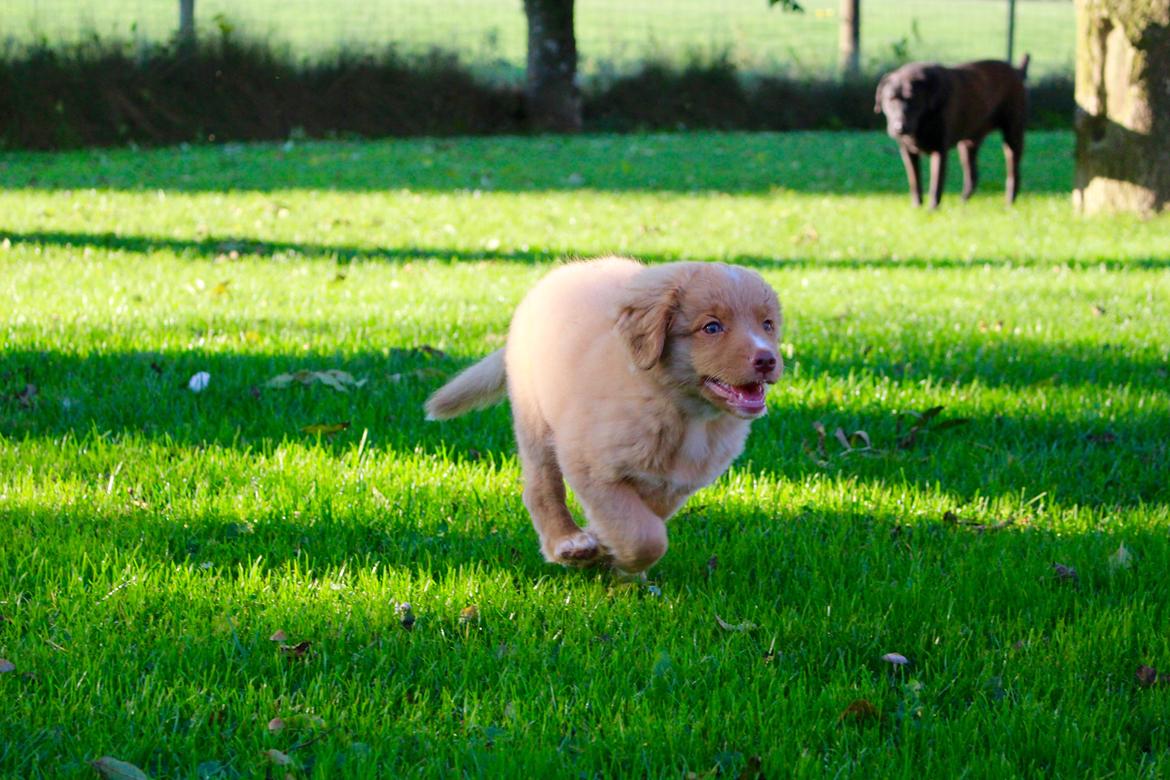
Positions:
(877, 95)
(645, 314)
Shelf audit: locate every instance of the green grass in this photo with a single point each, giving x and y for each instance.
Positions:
(492, 33)
(153, 539)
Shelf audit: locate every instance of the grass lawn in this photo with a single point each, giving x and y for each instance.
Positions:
(492, 34)
(152, 539)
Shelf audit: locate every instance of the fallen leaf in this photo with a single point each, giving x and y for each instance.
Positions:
(278, 758)
(298, 650)
(333, 378)
(897, 659)
(405, 614)
(859, 711)
(468, 614)
(1148, 676)
(1122, 559)
(752, 770)
(278, 636)
(6, 666)
(325, 429)
(108, 766)
(27, 396)
(275, 725)
(302, 721)
(746, 625)
(1065, 573)
(426, 372)
(198, 381)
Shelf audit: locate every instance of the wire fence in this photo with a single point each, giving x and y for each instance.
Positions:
(614, 36)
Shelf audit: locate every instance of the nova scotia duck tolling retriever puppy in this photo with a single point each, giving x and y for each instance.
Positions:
(930, 108)
(634, 384)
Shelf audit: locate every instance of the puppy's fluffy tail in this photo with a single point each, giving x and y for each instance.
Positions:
(480, 385)
(1023, 69)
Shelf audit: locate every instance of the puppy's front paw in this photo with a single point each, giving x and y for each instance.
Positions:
(580, 549)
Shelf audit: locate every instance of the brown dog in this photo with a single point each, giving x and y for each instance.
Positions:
(930, 108)
(636, 385)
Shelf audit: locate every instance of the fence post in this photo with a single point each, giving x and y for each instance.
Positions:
(849, 38)
(186, 23)
(1011, 34)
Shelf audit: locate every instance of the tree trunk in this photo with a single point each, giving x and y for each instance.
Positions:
(554, 102)
(849, 38)
(186, 23)
(1123, 106)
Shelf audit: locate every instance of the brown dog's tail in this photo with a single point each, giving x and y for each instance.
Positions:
(477, 386)
(1023, 69)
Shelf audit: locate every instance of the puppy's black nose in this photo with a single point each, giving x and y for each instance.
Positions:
(764, 362)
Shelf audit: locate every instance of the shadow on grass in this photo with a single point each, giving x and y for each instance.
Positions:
(1081, 456)
(741, 163)
(210, 248)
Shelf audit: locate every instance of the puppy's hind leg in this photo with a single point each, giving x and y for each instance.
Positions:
(561, 539)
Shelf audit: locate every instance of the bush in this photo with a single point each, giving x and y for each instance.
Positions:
(101, 94)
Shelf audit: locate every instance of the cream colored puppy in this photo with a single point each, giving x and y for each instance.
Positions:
(635, 384)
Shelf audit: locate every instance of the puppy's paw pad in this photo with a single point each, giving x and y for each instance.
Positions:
(578, 550)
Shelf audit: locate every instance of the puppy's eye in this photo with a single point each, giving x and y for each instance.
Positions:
(769, 326)
(712, 328)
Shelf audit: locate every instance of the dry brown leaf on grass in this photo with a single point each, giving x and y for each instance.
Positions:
(859, 711)
(110, 767)
(299, 650)
(279, 758)
(278, 636)
(338, 380)
(746, 625)
(405, 615)
(426, 372)
(275, 725)
(28, 396)
(1147, 676)
(325, 429)
(469, 614)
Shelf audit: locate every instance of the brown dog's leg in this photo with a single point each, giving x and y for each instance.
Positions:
(968, 151)
(910, 161)
(1013, 150)
(938, 177)
(631, 533)
(561, 539)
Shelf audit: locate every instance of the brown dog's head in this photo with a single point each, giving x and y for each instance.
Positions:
(908, 94)
(708, 330)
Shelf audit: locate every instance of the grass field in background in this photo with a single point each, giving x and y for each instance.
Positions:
(491, 34)
(1014, 549)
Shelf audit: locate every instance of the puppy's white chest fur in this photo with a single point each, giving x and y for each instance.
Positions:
(705, 450)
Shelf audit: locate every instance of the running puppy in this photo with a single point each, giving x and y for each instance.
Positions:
(636, 385)
(930, 108)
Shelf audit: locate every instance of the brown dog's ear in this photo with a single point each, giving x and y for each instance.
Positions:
(877, 95)
(645, 314)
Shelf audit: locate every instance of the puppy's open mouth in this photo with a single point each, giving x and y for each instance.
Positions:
(743, 400)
